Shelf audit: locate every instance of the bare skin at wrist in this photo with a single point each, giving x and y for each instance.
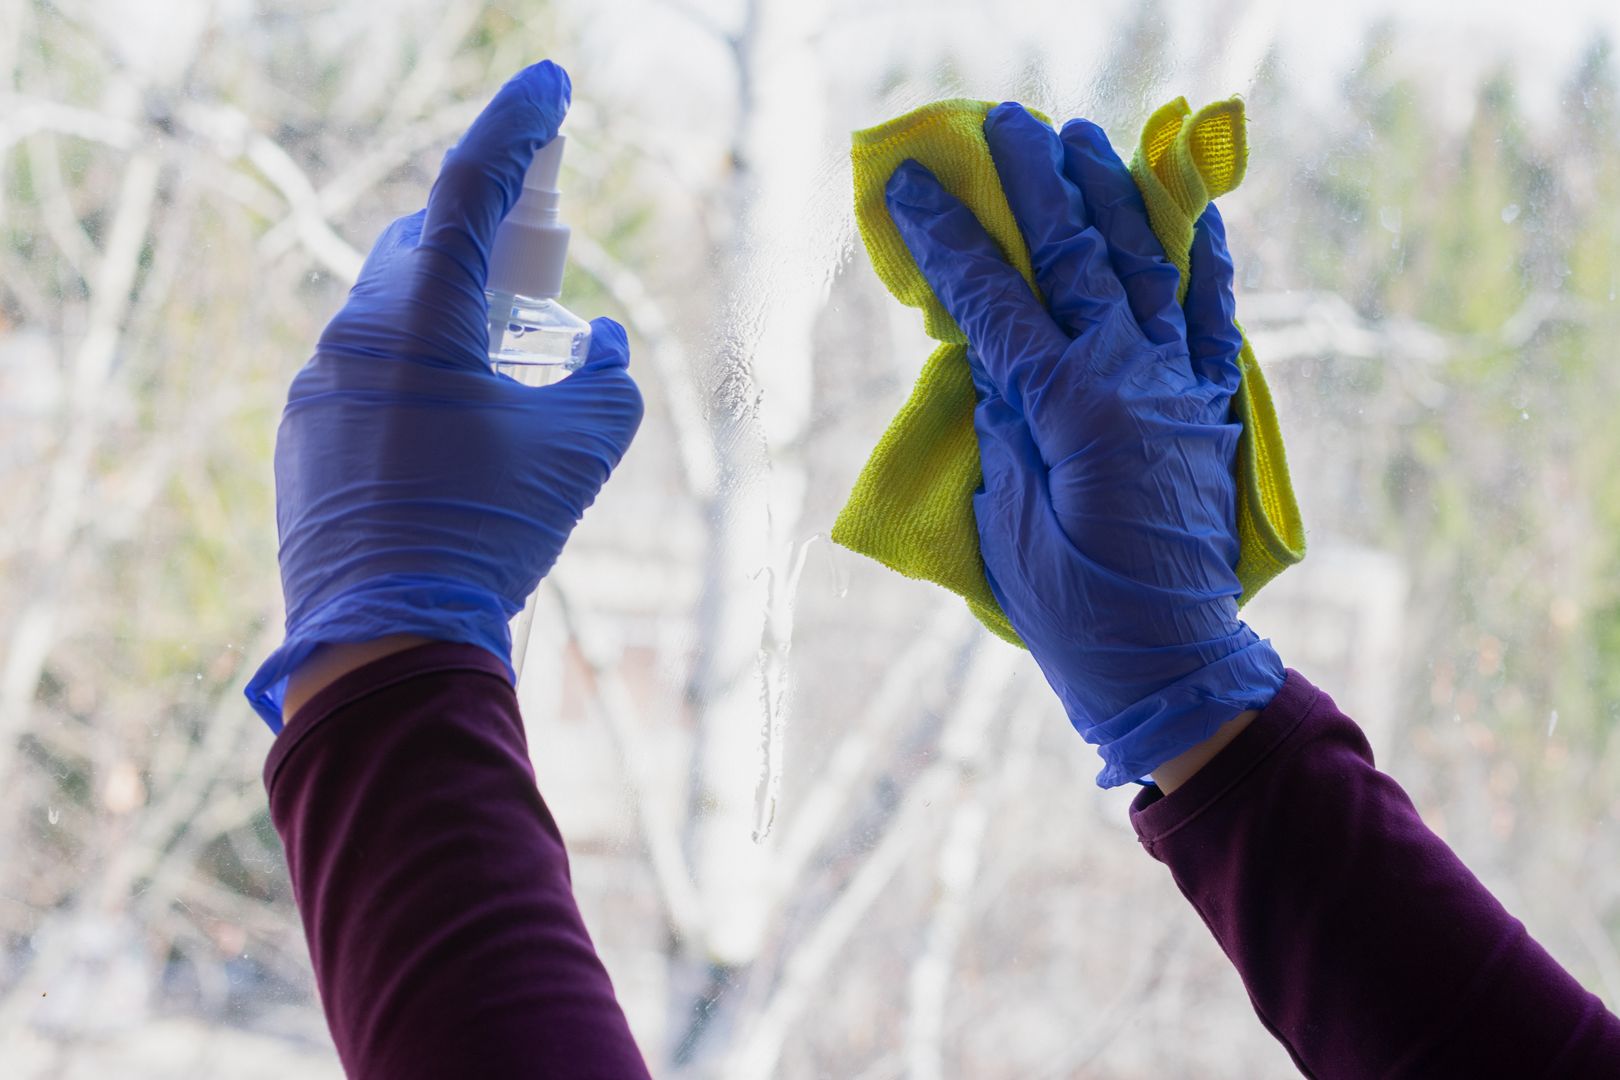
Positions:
(1181, 768)
(331, 662)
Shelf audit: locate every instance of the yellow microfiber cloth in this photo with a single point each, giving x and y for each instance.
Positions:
(912, 508)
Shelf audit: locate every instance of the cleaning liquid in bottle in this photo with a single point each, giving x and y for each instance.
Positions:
(532, 337)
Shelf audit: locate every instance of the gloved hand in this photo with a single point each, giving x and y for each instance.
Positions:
(1108, 515)
(417, 492)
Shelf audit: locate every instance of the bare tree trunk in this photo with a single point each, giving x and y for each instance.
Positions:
(34, 626)
(761, 382)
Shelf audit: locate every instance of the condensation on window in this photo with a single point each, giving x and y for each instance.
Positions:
(820, 824)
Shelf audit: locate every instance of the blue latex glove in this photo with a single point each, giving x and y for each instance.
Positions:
(416, 490)
(1108, 515)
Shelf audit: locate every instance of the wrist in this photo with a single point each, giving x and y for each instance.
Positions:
(330, 662)
(1167, 721)
(395, 607)
(1181, 768)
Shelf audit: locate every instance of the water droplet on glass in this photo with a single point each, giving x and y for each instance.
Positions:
(1524, 414)
(1510, 212)
(840, 572)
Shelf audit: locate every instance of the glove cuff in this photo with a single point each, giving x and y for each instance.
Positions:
(437, 608)
(1170, 721)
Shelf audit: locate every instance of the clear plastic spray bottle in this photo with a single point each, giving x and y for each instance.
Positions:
(532, 337)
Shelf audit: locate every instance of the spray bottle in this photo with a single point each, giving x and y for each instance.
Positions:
(532, 337)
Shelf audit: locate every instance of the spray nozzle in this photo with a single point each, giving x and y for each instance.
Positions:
(531, 244)
(546, 167)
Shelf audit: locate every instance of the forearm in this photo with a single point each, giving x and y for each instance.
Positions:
(1365, 944)
(432, 880)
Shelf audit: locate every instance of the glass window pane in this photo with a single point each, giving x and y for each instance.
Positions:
(820, 823)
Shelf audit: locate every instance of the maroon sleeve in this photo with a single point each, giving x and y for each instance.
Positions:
(1367, 948)
(433, 883)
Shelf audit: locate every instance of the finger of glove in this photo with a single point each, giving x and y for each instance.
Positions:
(1069, 255)
(982, 386)
(1013, 509)
(482, 175)
(600, 404)
(1147, 276)
(610, 346)
(1213, 339)
(480, 180)
(390, 252)
(367, 324)
(1007, 450)
(1006, 326)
